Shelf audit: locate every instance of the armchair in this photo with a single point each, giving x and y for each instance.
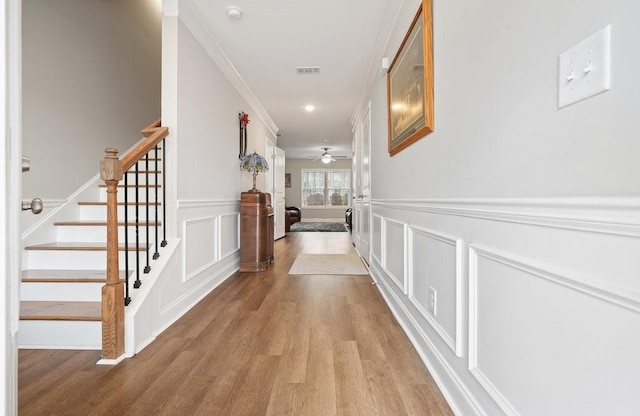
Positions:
(294, 213)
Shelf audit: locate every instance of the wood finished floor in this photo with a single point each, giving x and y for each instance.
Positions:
(260, 344)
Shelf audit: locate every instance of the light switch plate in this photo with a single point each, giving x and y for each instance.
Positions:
(585, 69)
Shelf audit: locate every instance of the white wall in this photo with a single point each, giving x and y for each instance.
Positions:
(203, 161)
(293, 195)
(91, 80)
(498, 129)
(535, 284)
(208, 144)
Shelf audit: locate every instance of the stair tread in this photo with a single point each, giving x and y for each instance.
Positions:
(79, 246)
(63, 276)
(60, 310)
(87, 223)
(103, 203)
(132, 186)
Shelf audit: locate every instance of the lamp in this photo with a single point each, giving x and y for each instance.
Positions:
(254, 163)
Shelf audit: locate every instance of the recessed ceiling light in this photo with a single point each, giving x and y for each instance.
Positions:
(234, 12)
(309, 108)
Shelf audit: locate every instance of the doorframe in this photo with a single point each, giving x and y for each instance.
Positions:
(271, 181)
(11, 186)
(363, 199)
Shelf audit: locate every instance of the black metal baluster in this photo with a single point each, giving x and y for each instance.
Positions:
(147, 268)
(127, 298)
(155, 154)
(164, 196)
(138, 282)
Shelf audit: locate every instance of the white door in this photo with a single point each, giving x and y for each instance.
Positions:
(274, 185)
(10, 188)
(278, 191)
(362, 213)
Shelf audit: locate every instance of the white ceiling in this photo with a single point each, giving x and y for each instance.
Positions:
(273, 37)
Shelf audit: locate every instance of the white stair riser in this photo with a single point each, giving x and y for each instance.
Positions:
(99, 213)
(72, 233)
(131, 194)
(142, 179)
(76, 260)
(61, 291)
(80, 335)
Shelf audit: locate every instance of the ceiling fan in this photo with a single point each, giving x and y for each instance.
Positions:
(326, 156)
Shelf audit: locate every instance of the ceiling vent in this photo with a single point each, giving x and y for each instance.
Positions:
(307, 70)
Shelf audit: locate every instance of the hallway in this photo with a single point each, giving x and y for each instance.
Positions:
(260, 344)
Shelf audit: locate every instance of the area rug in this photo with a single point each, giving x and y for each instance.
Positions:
(326, 227)
(328, 264)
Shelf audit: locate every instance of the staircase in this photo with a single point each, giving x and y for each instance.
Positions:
(65, 267)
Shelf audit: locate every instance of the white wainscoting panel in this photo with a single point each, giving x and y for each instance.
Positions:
(376, 238)
(517, 306)
(394, 239)
(538, 299)
(229, 234)
(201, 245)
(436, 261)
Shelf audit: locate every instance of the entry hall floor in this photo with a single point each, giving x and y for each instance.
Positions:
(260, 344)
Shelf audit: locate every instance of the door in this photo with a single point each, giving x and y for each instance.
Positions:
(362, 204)
(10, 187)
(274, 185)
(277, 194)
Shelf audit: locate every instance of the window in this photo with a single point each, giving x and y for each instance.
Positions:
(325, 188)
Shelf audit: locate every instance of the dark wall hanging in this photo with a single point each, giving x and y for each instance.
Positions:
(243, 119)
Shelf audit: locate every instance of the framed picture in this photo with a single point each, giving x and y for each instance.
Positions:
(410, 84)
(287, 180)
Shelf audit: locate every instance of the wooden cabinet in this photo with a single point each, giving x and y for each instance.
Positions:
(256, 232)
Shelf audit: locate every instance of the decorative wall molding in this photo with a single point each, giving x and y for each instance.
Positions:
(595, 289)
(190, 270)
(577, 252)
(376, 248)
(616, 216)
(191, 16)
(455, 342)
(400, 281)
(462, 401)
(484, 381)
(236, 224)
(207, 203)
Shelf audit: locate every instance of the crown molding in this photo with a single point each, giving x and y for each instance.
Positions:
(392, 9)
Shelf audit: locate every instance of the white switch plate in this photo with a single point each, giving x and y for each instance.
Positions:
(585, 69)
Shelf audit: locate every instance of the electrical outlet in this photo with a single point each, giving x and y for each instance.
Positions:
(433, 301)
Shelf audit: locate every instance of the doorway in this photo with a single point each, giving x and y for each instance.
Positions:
(362, 205)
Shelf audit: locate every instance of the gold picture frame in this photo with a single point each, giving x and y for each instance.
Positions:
(410, 84)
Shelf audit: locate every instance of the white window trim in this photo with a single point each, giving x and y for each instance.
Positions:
(334, 207)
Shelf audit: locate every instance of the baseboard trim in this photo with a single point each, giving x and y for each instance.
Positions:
(457, 396)
(113, 361)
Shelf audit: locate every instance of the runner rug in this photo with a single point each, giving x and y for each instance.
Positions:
(326, 227)
(328, 264)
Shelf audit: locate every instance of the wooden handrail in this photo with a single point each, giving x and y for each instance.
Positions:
(156, 134)
(112, 171)
(151, 128)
